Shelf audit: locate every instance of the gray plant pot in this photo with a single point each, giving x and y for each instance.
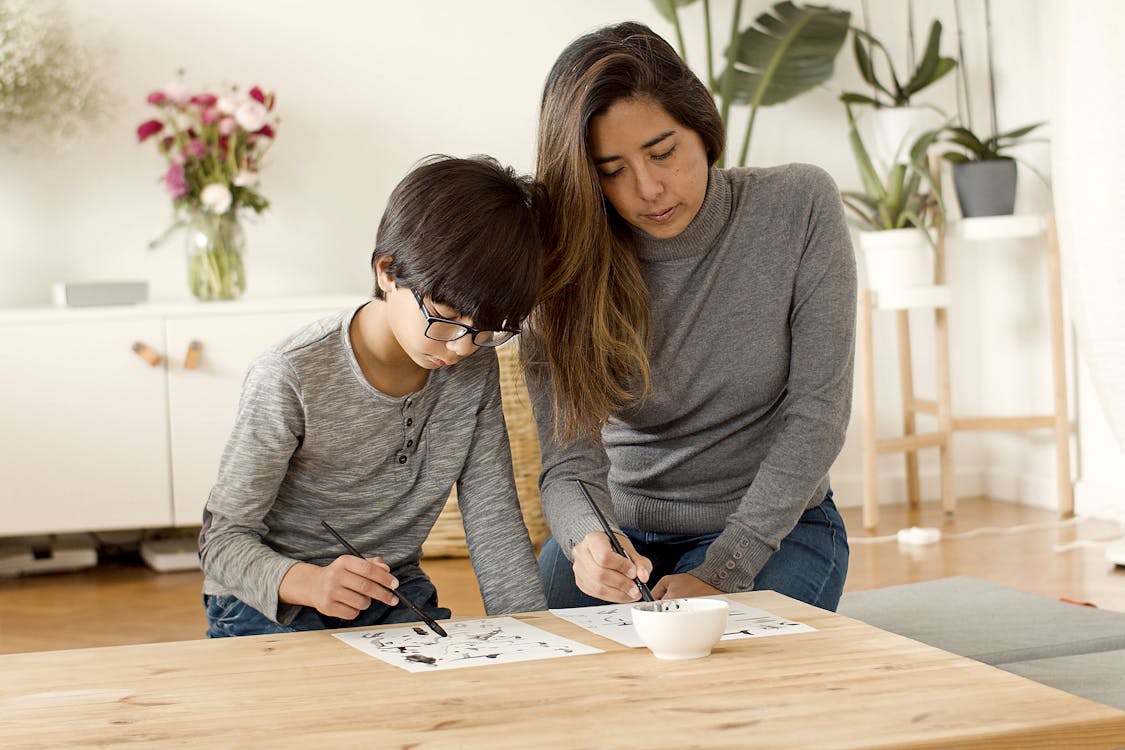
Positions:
(986, 188)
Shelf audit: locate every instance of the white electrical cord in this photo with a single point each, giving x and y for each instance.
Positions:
(919, 536)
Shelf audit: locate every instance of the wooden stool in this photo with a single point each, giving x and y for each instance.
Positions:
(902, 301)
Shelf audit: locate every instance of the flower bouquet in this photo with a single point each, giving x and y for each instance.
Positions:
(214, 145)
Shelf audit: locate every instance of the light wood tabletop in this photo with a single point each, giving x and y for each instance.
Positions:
(846, 685)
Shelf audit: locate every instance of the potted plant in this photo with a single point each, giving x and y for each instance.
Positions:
(784, 53)
(894, 214)
(896, 121)
(984, 175)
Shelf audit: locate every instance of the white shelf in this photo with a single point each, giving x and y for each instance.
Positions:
(999, 227)
(904, 298)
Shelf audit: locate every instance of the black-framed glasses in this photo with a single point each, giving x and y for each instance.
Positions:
(443, 329)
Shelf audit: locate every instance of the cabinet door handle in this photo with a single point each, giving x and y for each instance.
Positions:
(146, 352)
(194, 352)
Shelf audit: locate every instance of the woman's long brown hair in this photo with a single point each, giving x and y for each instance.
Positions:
(591, 326)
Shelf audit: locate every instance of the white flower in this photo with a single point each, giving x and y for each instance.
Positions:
(226, 105)
(246, 178)
(216, 197)
(251, 115)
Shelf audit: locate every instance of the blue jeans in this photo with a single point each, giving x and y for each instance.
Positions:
(810, 565)
(230, 616)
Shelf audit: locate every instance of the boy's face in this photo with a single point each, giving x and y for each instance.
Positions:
(407, 322)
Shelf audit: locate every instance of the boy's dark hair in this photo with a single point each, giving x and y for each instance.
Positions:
(464, 232)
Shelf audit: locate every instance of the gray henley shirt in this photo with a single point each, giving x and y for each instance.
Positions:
(314, 440)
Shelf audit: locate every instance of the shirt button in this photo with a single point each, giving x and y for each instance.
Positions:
(730, 565)
(402, 459)
(409, 443)
(737, 555)
(744, 543)
(409, 421)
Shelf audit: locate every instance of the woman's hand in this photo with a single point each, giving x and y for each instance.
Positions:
(343, 589)
(679, 585)
(604, 574)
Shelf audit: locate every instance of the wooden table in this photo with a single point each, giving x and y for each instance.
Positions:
(847, 685)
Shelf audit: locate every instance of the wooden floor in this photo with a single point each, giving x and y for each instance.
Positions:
(121, 603)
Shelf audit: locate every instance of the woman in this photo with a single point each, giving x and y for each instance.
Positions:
(693, 347)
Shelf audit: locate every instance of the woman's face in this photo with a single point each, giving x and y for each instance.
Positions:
(652, 169)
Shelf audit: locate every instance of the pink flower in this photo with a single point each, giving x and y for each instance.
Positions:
(227, 125)
(257, 95)
(174, 181)
(157, 98)
(266, 131)
(204, 100)
(195, 148)
(211, 115)
(148, 129)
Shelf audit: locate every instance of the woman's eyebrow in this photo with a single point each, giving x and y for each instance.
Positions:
(646, 144)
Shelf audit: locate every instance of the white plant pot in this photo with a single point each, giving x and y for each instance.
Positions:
(897, 258)
(895, 129)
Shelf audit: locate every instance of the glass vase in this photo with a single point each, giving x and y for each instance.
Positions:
(214, 253)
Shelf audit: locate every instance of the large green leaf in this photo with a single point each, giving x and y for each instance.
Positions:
(786, 54)
(667, 8)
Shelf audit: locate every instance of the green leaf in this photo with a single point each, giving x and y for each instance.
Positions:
(786, 54)
(852, 98)
(928, 64)
(667, 8)
(1018, 133)
(872, 185)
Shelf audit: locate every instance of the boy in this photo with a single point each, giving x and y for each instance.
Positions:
(361, 420)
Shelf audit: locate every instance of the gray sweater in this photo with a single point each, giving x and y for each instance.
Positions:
(314, 440)
(753, 310)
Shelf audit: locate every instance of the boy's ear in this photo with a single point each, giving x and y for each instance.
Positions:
(384, 279)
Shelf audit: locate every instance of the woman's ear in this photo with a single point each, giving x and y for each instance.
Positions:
(383, 278)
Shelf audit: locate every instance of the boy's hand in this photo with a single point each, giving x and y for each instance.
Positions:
(604, 574)
(679, 585)
(343, 589)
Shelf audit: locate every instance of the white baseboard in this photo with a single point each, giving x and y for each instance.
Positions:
(1091, 498)
(1100, 500)
(847, 489)
(1096, 499)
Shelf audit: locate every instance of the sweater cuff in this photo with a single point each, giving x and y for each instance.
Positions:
(733, 561)
(578, 530)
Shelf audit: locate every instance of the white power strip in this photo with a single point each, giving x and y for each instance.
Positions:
(167, 555)
(917, 536)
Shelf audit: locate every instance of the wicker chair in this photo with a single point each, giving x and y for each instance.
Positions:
(448, 536)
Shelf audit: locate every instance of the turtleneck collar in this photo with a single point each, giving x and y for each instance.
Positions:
(713, 217)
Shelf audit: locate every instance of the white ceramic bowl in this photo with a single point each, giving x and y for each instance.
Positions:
(680, 628)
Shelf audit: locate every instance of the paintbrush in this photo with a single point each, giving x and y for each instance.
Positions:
(645, 593)
(353, 551)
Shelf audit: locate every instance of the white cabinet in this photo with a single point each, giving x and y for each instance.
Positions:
(94, 437)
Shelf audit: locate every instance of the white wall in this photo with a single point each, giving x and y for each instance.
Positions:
(367, 88)
(1086, 62)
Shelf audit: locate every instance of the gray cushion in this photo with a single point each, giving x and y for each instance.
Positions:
(1099, 676)
(985, 621)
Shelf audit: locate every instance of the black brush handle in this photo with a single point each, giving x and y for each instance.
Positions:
(645, 593)
(353, 551)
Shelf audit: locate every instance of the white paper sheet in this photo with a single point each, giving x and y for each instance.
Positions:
(471, 643)
(612, 621)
